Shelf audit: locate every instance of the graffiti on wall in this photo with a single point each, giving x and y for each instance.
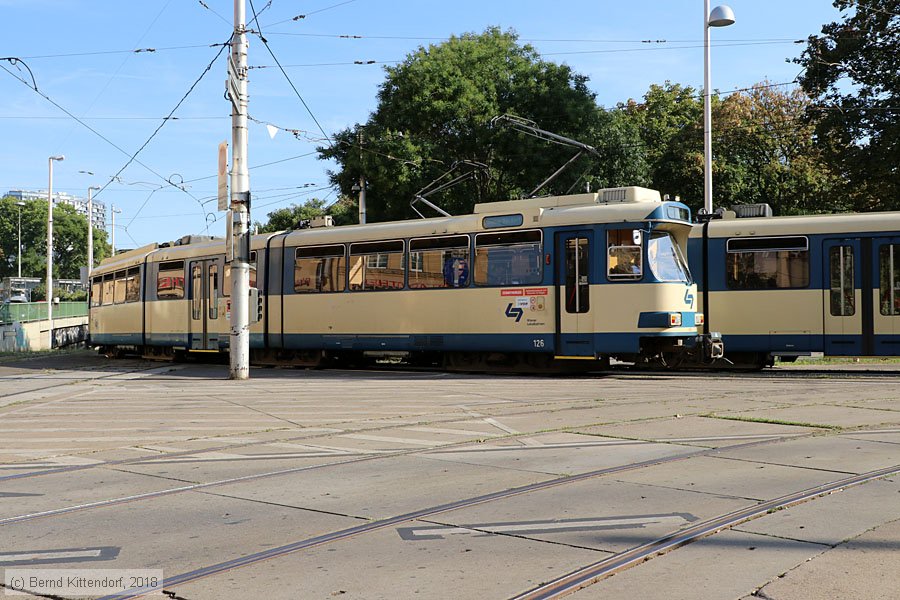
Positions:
(67, 336)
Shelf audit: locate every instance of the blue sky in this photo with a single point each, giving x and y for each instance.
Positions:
(79, 53)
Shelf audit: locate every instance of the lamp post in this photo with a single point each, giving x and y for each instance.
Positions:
(721, 16)
(113, 210)
(20, 204)
(90, 232)
(50, 248)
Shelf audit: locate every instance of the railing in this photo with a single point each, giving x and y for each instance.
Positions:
(37, 311)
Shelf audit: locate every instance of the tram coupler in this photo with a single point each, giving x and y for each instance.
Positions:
(706, 347)
(713, 348)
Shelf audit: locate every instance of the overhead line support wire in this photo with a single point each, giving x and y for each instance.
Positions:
(166, 120)
(132, 157)
(283, 72)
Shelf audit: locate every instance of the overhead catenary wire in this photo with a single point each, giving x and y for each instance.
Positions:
(287, 77)
(33, 87)
(308, 14)
(166, 120)
(110, 52)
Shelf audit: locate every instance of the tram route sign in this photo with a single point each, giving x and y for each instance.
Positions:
(222, 173)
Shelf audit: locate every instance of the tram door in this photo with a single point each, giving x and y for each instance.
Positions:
(575, 317)
(206, 285)
(862, 296)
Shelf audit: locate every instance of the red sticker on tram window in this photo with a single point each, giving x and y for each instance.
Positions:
(517, 292)
(535, 291)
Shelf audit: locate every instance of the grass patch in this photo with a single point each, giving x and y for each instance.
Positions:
(772, 421)
(831, 360)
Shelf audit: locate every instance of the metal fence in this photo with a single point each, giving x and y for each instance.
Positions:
(37, 311)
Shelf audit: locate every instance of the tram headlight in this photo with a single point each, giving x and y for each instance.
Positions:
(699, 319)
(674, 319)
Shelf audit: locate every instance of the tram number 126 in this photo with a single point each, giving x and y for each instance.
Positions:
(538, 343)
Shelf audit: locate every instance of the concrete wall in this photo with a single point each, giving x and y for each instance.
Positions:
(22, 337)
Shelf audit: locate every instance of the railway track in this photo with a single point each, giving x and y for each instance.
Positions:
(564, 585)
(378, 525)
(590, 574)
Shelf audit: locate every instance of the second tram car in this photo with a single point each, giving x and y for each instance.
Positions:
(798, 285)
(524, 284)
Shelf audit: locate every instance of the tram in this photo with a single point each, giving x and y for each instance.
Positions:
(800, 285)
(538, 283)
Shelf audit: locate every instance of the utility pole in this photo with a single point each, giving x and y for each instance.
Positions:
(20, 204)
(239, 234)
(90, 212)
(50, 248)
(113, 210)
(362, 182)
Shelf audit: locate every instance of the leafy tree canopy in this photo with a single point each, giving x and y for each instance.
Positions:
(69, 240)
(852, 72)
(435, 108)
(763, 148)
(283, 219)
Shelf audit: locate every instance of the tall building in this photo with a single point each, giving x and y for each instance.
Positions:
(80, 204)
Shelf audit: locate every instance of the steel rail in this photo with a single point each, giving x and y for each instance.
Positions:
(380, 524)
(435, 418)
(581, 578)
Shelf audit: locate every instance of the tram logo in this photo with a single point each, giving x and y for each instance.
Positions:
(514, 312)
(688, 297)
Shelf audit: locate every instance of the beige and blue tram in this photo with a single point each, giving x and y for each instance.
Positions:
(800, 285)
(521, 283)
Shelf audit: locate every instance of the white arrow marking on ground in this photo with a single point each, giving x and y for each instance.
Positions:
(50, 555)
(543, 526)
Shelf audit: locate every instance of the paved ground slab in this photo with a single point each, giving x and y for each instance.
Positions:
(393, 484)
(864, 568)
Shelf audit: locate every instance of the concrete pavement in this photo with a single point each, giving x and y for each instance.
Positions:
(374, 484)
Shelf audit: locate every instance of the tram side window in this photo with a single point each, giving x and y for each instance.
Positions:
(842, 289)
(170, 281)
(578, 268)
(119, 288)
(133, 285)
(319, 269)
(96, 291)
(624, 255)
(767, 263)
(439, 262)
(108, 283)
(514, 258)
(196, 291)
(213, 292)
(376, 266)
(226, 275)
(889, 276)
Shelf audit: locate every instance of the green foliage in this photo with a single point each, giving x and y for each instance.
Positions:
(69, 240)
(283, 219)
(763, 148)
(435, 109)
(851, 72)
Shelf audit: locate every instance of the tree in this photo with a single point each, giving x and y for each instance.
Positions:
(763, 148)
(435, 108)
(283, 219)
(669, 122)
(69, 240)
(852, 72)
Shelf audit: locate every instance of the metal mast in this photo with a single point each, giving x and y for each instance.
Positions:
(239, 233)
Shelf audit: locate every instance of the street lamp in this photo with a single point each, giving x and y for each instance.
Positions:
(90, 221)
(50, 248)
(112, 228)
(20, 204)
(721, 16)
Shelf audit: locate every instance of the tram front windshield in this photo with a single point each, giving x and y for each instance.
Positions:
(665, 258)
